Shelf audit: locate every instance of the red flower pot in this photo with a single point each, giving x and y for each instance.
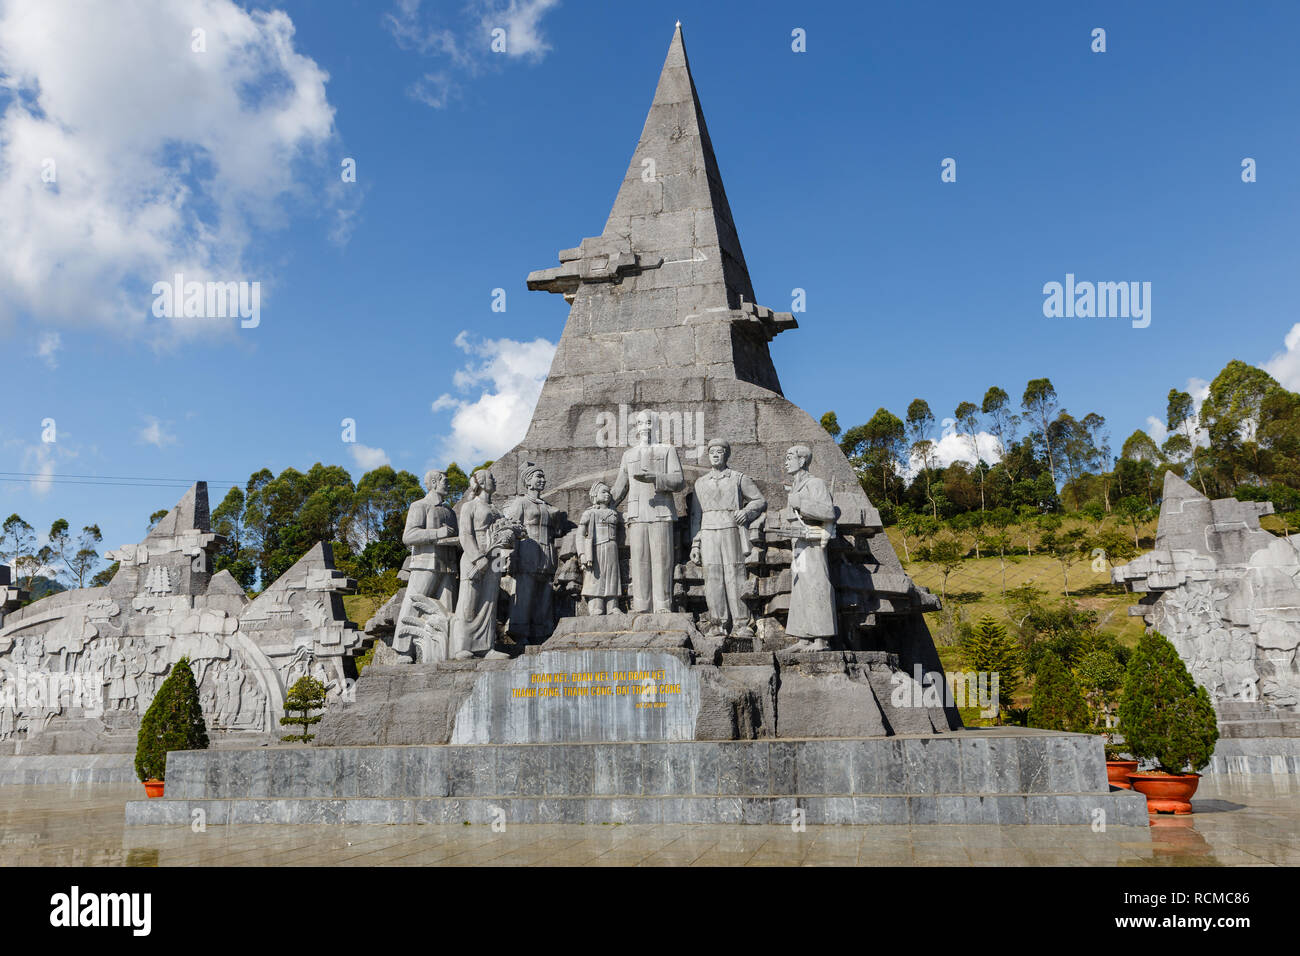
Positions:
(1166, 793)
(153, 788)
(1117, 772)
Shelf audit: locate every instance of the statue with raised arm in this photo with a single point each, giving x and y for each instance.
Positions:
(809, 521)
(433, 537)
(723, 504)
(532, 617)
(647, 477)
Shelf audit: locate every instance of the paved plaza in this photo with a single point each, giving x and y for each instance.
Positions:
(1239, 821)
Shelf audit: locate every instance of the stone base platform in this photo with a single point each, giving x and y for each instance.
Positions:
(72, 769)
(1255, 755)
(975, 776)
(1256, 738)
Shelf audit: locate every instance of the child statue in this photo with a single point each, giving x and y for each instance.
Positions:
(599, 530)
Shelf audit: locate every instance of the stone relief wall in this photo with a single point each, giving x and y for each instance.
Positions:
(1226, 593)
(79, 668)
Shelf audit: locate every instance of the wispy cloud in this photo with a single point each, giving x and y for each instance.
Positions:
(39, 459)
(466, 41)
(47, 346)
(154, 433)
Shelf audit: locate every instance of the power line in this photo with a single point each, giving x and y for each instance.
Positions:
(115, 481)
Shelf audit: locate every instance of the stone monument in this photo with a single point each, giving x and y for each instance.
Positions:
(828, 705)
(1227, 595)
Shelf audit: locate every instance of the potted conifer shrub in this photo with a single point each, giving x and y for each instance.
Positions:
(1167, 720)
(174, 721)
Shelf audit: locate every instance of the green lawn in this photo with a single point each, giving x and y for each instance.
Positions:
(360, 607)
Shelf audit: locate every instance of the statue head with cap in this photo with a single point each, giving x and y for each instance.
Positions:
(532, 478)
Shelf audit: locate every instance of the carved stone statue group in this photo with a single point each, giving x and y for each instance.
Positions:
(520, 540)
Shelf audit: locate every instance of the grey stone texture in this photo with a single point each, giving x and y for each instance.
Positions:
(982, 776)
(71, 769)
(628, 678)
(80, 667)
(663, 319)
(1227, 595)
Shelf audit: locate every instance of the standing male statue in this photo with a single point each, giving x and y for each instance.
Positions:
(647, 476)
(531, 615)
(724, 503)
(432, 536)
(809, 520)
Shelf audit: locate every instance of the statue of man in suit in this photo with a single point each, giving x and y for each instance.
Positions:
(723, 506)
(647, 477)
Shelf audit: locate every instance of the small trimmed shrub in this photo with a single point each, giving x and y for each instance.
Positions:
(307, 694)
(174, 721)
(1100, 676)
(1057, 703)
(1164, 716)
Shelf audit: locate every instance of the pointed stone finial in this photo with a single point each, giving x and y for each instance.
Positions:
(190, 514)
(671, 212)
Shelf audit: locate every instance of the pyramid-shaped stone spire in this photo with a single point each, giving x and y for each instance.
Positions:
(674, 183)
(667, 270)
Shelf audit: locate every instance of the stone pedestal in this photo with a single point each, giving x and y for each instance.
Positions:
(634, 678)
(1007, 776)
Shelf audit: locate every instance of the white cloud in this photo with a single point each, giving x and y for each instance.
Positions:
(1285, 365)
(952, 446)
(367, 458)
(521, 20)
(162, 159)
(153, 433)
(509, 376)
(46, 347)
(461, 40)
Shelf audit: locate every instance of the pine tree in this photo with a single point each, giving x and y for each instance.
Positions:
(1057, 704)
(989, 648)
(1164, 716)
(307, 694)
(174, 721)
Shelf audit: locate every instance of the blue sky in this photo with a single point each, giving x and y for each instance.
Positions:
(474, 168)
